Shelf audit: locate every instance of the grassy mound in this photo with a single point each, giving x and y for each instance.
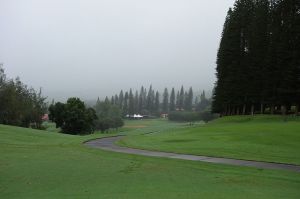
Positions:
(41, 164)
(264, 138)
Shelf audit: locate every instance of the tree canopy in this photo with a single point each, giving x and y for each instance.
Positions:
(19, 104)
(73, 117)
(151, 102)
(258, 62)
(109, 116)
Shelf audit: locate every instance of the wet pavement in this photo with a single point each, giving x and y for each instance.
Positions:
(108, 144)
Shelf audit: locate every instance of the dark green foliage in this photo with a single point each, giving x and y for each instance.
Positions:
(112, 100)
(73, 117)
(121, 98)
(204, 103)
(184, 116)
(188, 100)
(150, 100)
(207, 116)
(57, 113)
(125, 104)
(130, 103)
(177, 99)
(189, 116)
(136, 102)
(141, 102)
(156, 104)
(181, 99)
(20, 105)
(258, 62)
(165, 104)
(149, 103)
(172, 106)
(109, 116)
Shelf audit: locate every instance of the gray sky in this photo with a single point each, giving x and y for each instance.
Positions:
(90, 48)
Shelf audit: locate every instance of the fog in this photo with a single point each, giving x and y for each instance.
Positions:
(91, 48)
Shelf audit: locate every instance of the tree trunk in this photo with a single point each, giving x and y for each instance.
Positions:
(296, 110)
(252, 109)
(261, 108)
(238, 110)
(244, 109)
(283, 109)
(272, 109)
(227, 110)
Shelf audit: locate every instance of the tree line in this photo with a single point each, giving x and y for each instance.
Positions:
(20, 105)
(151, 102)
(258, 62)
(74, 117)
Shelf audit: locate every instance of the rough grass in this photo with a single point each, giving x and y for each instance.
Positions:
(264, 138)
(41, 164)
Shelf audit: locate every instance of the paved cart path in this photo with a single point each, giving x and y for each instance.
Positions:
(108, 144)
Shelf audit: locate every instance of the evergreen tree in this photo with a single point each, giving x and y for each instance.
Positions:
(112, 101)
(150, 100)
(203, 104)
(106, 100)
(181, 99)
(136, 102)
(141, 103)
(165, 104)
(145, 102)
(121, 98)
(125, 104)
(172, 100)
(156, 104)
(116, 100)
(178, 100)
(258, 51)
(258, 58)
(189, 100)
(130, 103)
(186, 101)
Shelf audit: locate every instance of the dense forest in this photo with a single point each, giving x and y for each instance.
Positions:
(258, 62)
(19, 104)
(151, 102)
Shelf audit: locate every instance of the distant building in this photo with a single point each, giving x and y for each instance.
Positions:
(135, 116)
(164, 115)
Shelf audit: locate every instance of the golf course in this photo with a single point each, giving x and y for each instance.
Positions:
(140, 99)
(48, 164)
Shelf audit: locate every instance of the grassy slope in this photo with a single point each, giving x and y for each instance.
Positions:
(265, 138)
(40, 164)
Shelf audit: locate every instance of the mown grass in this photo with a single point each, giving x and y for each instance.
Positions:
(264, 138)
(41, 164)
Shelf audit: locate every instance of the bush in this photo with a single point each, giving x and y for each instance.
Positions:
(73, 117)
(185, 116)
(109, 116)
(207, 116)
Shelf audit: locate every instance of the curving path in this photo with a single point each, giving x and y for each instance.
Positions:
(108, 144)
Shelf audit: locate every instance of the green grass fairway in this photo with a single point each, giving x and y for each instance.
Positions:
(149, 126)
(264, 138)
(41, 164)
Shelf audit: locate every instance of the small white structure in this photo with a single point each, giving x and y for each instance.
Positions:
(135, 116)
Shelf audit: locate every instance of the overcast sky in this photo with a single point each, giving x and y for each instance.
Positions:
(90, 48)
